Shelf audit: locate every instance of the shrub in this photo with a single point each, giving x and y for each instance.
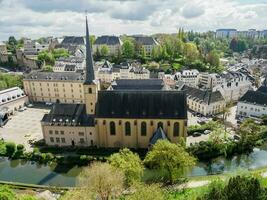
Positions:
(6, 193)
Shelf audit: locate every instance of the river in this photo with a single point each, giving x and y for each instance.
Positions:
(33, 173)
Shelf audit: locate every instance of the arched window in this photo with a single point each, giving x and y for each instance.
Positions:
(160, 124)
(127, 128)
(143, 129)
(176, 129)
(112, 128)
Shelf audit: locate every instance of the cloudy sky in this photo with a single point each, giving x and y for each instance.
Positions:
(38, 18)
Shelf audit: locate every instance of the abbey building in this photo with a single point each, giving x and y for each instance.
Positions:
(131, 113)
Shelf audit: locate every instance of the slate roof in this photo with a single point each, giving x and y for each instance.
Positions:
(11, 94)
(108, 40)
(254, 97)
(145, 40)
(73, 40)
(70, 67)
(138, 84)
(68, 114)
(141, 104)
(206, 96)
(158, 135)
(59, 76)
(262, 89)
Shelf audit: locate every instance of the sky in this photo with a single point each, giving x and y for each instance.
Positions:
(41, 18)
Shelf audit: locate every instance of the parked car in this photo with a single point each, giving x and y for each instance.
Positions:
(196, 134)
(206, 132)
(22, 109)
(30, 105)
(48, 103)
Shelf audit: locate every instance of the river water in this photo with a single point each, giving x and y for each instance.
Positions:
(33, 173)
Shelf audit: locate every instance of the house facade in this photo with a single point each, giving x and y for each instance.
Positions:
(113, 43)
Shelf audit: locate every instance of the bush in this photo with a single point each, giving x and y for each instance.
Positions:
(6, 193)
(10, 149)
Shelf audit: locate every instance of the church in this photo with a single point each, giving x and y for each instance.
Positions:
(133, 114)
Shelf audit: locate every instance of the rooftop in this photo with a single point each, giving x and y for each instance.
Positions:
(206, 96)
(138, 84)
(58, 76)
(68, 114)
(108, 40)
(142, 104)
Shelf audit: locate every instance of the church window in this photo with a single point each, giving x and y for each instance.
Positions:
(143, 129)
(176, 129)
(160, 124)
(127, 128)
(112, 128)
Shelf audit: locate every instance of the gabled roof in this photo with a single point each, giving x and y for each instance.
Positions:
(262, 89)
(254, 97)
(68, 114)
(206, 96)
(108, 40)
(145, 40)
(73, 40)
(158, 135)
(141, 104)
(138, 84)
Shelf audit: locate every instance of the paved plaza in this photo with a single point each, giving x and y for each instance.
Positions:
(24, 126)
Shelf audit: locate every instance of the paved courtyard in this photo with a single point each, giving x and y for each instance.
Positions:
(24, 126)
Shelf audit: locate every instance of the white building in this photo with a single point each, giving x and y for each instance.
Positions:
(108, 72)
(234, 85)
(188, 77)
(72, 63)
(32, 47)
(12, 99)
(226, 33)
(253, 103)
(205, 102)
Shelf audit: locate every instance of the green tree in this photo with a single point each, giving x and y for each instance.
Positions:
(103, 180)
(250, 133)
(146, 192)
(48, 68)
(213, 59)
(61, 52)
(128, 49)
(46, 57)
(169, 157)
(243, 188)
(104, 50)
(129, 163)
(191, 52)
(10, 148)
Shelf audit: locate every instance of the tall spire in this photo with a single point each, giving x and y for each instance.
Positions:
(90, 76)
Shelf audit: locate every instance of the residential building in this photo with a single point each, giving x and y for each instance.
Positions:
(108, 72)
(167, 78)
(226, 33)
(32, 47)
(146, 42)
(73, 45)
(71, 63)
(188, 77)
(12, 99)
(205, 102)
(116, 118)
(253, 103)
(64, 87)
(3, 47)
(113, 43)
(234, 86)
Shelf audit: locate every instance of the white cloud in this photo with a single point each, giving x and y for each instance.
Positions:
(37, 18)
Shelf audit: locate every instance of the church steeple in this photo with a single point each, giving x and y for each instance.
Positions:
(90, 76)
